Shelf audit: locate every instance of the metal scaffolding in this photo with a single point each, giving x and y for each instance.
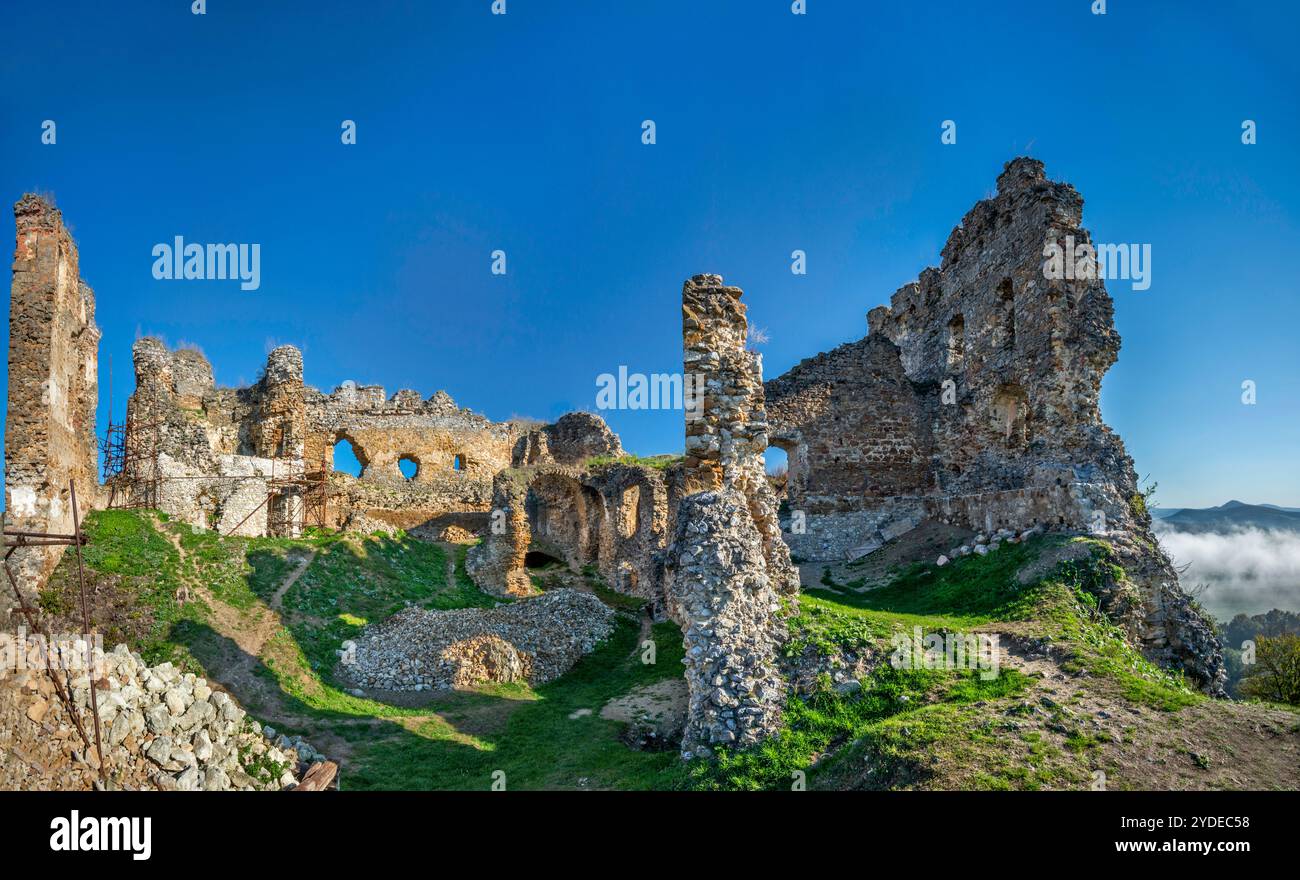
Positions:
(131, 468)
(13, 539)
(295, 500)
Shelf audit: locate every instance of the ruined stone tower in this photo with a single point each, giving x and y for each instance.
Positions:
(728, 563)
(974, 400)
(53, 388)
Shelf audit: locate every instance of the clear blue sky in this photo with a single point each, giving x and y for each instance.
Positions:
(775, 132)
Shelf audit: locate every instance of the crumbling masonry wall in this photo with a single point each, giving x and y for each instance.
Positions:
(215, 457)
(53, 388)
(612, 516)
(456, 453)
(228, 458)
(728, 566)
(974, 400)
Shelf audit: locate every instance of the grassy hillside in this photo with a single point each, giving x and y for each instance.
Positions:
(1071, 705)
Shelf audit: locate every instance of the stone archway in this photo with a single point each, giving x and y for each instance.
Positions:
(564, 518)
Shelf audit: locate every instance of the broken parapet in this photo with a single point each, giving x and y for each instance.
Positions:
(212, 457)
(280, 429)
(572, 439)
(728, 564)
(53, 389)
(974, 400)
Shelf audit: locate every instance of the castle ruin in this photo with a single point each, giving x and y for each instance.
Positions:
(972, 401)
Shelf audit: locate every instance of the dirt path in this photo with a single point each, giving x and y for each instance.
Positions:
(278, 597)
(238, 649)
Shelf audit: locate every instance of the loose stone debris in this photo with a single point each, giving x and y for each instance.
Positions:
(530, 641)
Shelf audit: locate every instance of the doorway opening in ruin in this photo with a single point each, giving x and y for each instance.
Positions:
(541, 559)
(458, 462)
(348, 457)
(777, 460)
(409, 466)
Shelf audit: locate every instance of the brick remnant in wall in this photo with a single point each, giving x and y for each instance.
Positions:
(53, 389)
(728, 565)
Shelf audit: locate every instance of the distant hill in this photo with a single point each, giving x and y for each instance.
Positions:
(1233, 515)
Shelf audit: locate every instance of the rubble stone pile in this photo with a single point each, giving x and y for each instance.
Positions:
(533, 640)
(160, 728)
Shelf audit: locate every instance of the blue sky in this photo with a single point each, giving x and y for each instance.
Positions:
(775, 132)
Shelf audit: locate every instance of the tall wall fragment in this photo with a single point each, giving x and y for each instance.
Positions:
(728, 564)
(53, 388)
(974, 400)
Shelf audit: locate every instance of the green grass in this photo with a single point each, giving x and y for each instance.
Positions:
(899, 727)
(974, 589)
(133, 575)
(528, 734)
(353, 581)
(904, 722)
(826, 719)
(655, 462)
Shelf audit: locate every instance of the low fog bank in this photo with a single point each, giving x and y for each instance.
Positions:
(1248, 571)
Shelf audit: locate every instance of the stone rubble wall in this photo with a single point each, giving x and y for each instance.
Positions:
(613, 517)
(728, 566)
(53, 390)
(534, 640)
(213, 445)
(571, 440)
(208, 456)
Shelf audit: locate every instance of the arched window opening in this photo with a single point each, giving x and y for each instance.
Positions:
(408, 466)
(458, 462)
(347, 458)
(956, 344)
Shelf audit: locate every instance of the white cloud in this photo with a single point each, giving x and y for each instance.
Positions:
(1243, 554)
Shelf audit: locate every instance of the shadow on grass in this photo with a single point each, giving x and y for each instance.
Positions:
(522, 737)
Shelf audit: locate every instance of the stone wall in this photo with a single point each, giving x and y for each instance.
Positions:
(456, 453)
(728, 565)
(212, 457)
(53, 389)
(614, 518)
(574, 438)
(974, 400)
(220, 453)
